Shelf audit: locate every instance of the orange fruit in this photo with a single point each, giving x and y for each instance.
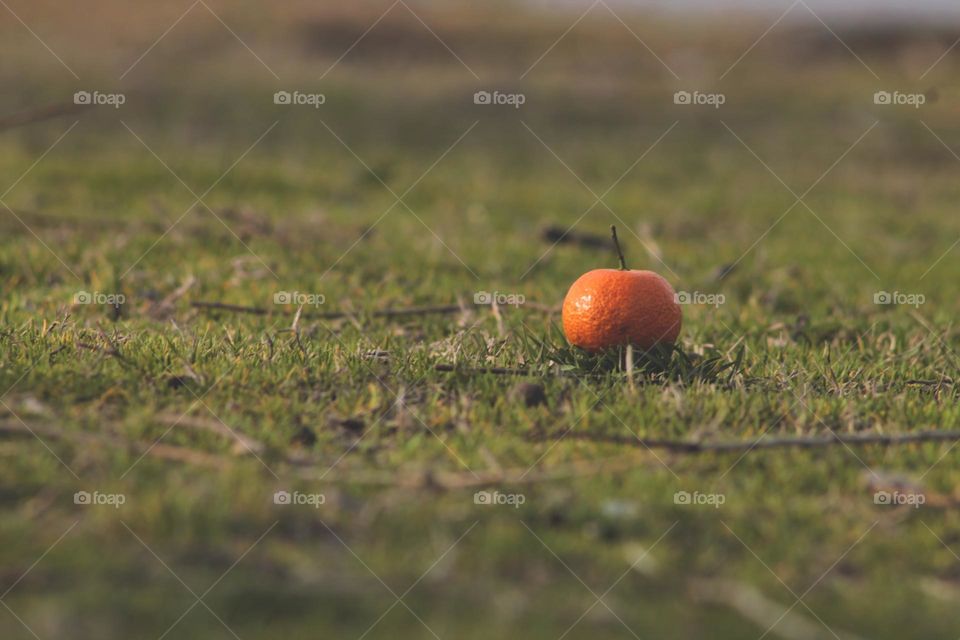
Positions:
(618, 307)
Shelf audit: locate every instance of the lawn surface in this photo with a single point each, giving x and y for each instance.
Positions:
(781, 214)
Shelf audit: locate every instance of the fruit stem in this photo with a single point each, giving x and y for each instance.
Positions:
(616, 243)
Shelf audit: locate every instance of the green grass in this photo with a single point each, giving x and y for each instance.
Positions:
(149, 401)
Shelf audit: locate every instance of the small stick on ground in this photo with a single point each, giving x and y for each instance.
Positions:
(340, 315)
(556, 234)
(752, 604)
(179, 292)
(445, 367)
(241, 444)
(40, 113)
(500, 371)
(155, 450)
(803, 442)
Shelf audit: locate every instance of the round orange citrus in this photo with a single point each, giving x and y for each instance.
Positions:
(618, 307)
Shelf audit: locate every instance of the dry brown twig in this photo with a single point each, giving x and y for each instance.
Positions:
(310, 467)
(37, 114)
(156, 450)
(693, 446)
(340, 315)
(241, 444)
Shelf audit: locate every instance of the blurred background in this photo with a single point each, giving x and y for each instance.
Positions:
(798, 83)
